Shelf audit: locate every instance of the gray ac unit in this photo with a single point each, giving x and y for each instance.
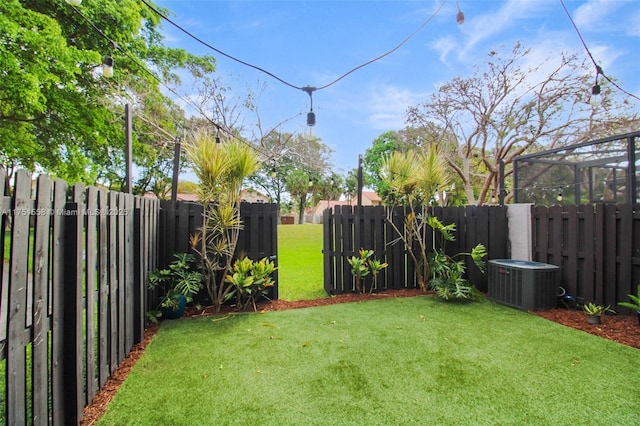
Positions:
(523, 284)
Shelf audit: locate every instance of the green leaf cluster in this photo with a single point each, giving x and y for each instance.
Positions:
(59, 114)
(178, 279)
(363, 265)
(250, 279)
(635, 301)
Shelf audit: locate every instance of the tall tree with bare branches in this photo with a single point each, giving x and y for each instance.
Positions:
(508, 108)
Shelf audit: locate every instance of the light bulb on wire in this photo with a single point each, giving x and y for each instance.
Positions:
(74, 2)
(459, 15)
(107, 67)
(596, 98)
(311, 116)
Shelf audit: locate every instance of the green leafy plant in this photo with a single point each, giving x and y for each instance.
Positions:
(595, 309)
(221, 169)
(447, 273)
(250, 280)
(363, 265)
(177, 280)
(635, 301)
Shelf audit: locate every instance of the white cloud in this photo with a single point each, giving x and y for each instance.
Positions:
(387, 106)
(593, 12)
(444, 46)
(497, 21)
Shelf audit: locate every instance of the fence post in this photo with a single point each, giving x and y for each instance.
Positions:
(72, 316)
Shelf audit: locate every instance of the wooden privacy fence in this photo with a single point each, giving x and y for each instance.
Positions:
(348, 229)
(180, 220)
(73, 293)
(597, 247)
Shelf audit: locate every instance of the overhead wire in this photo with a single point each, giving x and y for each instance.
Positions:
(159, 80)
(598, 67)
(306, 88)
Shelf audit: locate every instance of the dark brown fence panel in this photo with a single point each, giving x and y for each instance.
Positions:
(259, 236)
(179, 221)
(596, 246)
(66, 307)
(376, 228)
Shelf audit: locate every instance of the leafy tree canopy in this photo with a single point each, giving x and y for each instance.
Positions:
(59, 115)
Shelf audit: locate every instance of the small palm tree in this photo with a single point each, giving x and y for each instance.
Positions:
(221, 169)
(413, 177)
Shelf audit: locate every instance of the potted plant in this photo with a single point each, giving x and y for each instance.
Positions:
(178, 284)
(594, 312)
(634, 304)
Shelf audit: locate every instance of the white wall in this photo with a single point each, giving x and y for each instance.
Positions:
(520, 239)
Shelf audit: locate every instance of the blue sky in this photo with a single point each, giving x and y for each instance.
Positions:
(311, 43)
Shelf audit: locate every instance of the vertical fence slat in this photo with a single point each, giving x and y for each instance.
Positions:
(586, 251)
(73, 314)
(103, 289)
(41, 267)
(18, 282)
(610, 263)
(570, 250)
(90, 217)
(60, 221)
(624, 259)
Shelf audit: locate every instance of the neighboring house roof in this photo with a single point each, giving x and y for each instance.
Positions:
(250, 195)
(373, 196)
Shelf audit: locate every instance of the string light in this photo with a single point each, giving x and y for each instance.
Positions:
(598, 69)
(595, 98)
(459, 15)
(74, 2)
(187, 101)
(559, 197)
(310, 115)
(107, 67)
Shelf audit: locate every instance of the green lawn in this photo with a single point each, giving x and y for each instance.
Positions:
(381, 362)
(300, 273)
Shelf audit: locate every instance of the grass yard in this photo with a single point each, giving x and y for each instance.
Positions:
(393, 361)
(300, 273)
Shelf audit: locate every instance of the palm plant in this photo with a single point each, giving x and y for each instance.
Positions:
(413, 178)
(221, 169)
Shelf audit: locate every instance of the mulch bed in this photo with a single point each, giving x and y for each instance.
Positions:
(620, 328)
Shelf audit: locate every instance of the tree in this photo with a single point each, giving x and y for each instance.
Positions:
(299, 184)
(58, 114)
(410, 138)
(505, 110)
(221, 169)
(295, 159)
(413, 177)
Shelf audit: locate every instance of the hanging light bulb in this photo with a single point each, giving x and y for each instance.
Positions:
(74, 2)
(595, 98)
(559, 197)
(107, 67)
(217, 134)
(459, 15)
(273, 170)
(311, 116)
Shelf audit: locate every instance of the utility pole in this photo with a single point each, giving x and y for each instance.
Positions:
(176, 170)
(128, 134)
(360, 180)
